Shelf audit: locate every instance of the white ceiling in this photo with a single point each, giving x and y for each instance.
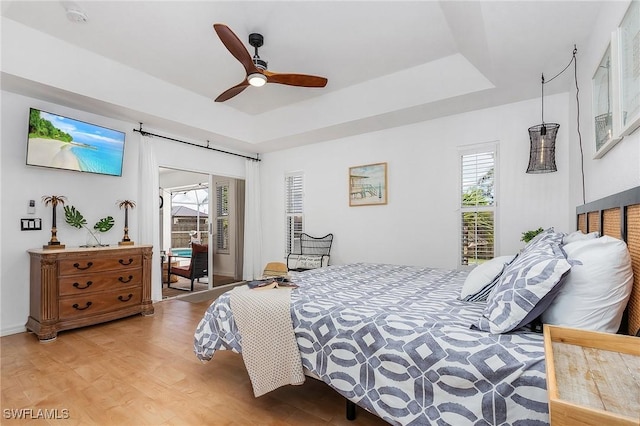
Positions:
(376, 48)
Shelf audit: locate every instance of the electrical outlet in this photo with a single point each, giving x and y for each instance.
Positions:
(31, 208)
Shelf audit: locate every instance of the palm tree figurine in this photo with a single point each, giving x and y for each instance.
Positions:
(126, 205)
(54, 200)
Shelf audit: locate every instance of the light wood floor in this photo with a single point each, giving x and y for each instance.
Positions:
(218, 280)
(142, 371)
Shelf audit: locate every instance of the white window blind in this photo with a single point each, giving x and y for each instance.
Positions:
(294, 211)
(477, 206)
(222, 217)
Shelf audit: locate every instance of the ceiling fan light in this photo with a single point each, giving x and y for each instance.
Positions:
(257, 79)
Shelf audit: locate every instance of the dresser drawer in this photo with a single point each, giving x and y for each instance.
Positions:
(111, 280)
(90, 264)
(92, 304)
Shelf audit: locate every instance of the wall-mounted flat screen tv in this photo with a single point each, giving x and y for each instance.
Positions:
(64, 143)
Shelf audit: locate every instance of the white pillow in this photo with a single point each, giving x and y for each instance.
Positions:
(579, 236)
(482, 275)
(309, 262)
(597, 289)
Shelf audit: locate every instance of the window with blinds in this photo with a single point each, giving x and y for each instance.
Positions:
(222, 217)
(477, 205)
(294, 212)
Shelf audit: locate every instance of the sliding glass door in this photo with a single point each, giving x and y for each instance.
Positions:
(202, 209)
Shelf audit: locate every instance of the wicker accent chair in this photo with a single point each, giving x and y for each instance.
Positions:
(314, 253)
(198, 266)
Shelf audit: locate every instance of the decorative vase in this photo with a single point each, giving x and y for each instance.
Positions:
(93, 239)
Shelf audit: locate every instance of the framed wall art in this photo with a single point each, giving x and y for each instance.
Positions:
(604, 105)
(629, 73)
(368, 185)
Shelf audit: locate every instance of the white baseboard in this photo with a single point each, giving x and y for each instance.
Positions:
(6, 331)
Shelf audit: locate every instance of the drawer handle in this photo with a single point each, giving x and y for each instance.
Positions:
(125, 264)
(125, 280)
(122, 299)
(76, 306)
(77, 285)
(77, 266)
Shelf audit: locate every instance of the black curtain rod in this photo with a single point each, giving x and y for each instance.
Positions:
(144, 133)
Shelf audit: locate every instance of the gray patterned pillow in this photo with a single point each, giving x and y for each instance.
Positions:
(526, 287)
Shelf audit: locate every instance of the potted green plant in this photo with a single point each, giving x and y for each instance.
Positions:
(74, 218)
(528, 235)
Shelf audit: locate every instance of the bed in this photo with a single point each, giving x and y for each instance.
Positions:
(398, 341)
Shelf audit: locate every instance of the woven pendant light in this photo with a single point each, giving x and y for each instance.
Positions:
(542, 153)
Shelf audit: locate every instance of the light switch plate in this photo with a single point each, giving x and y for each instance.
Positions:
(31, 224)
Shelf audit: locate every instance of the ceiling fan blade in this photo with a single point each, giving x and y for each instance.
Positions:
(236, 47)
(230, 93)
(302, 80)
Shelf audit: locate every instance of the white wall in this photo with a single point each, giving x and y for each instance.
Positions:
(619, 169)
(94, 195)
(419, 225)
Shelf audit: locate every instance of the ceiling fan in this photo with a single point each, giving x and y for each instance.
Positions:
(256, 68)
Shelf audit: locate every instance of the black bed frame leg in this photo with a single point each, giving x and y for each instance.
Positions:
(351, 410)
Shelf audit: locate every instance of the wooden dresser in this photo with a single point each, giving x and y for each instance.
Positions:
(76, 287)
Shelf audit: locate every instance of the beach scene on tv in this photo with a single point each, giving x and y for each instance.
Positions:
(63, 143)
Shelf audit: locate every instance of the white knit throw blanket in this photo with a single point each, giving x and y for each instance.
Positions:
(269, 347)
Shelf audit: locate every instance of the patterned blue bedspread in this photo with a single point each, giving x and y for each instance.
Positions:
(397, 341)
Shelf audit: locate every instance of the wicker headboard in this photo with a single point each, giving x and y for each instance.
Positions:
(618, 216)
